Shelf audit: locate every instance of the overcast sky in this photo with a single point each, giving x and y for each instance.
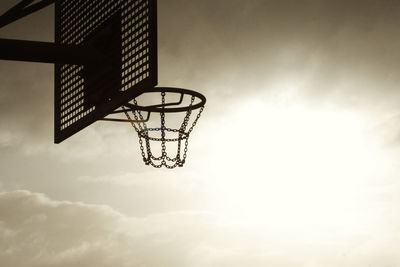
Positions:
(293, 163)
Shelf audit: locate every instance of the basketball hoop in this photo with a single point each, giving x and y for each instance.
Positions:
(161, 137)
(106, 61)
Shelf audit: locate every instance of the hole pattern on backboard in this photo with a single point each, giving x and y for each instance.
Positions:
(78, 19)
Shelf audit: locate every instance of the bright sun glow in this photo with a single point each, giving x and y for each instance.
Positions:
(291, 165)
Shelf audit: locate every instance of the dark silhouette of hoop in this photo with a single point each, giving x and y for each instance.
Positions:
(158, 137)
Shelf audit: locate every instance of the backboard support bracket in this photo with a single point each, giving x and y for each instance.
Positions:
(46, 52)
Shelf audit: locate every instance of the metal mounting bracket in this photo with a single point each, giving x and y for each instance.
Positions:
(45, 52)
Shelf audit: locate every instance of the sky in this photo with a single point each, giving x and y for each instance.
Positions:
(294, 161)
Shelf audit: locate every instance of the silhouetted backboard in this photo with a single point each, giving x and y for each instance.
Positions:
(124, 35)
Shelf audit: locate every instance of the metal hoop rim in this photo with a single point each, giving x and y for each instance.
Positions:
(171, 90)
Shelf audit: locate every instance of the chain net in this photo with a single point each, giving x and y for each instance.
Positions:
(158, 138)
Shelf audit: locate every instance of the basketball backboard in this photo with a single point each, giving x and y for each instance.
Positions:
(124, 35)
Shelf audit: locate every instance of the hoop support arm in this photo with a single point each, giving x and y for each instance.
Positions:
(33, 51)
(124, 120)
(133, 107)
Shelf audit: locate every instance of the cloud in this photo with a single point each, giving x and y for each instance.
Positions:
(37, 231)
(184, 181)
(152, 192)
(336, 51)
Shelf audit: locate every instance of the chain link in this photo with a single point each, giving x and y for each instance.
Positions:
(183, 135)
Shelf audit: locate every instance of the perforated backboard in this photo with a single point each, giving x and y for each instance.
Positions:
(87, 93)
